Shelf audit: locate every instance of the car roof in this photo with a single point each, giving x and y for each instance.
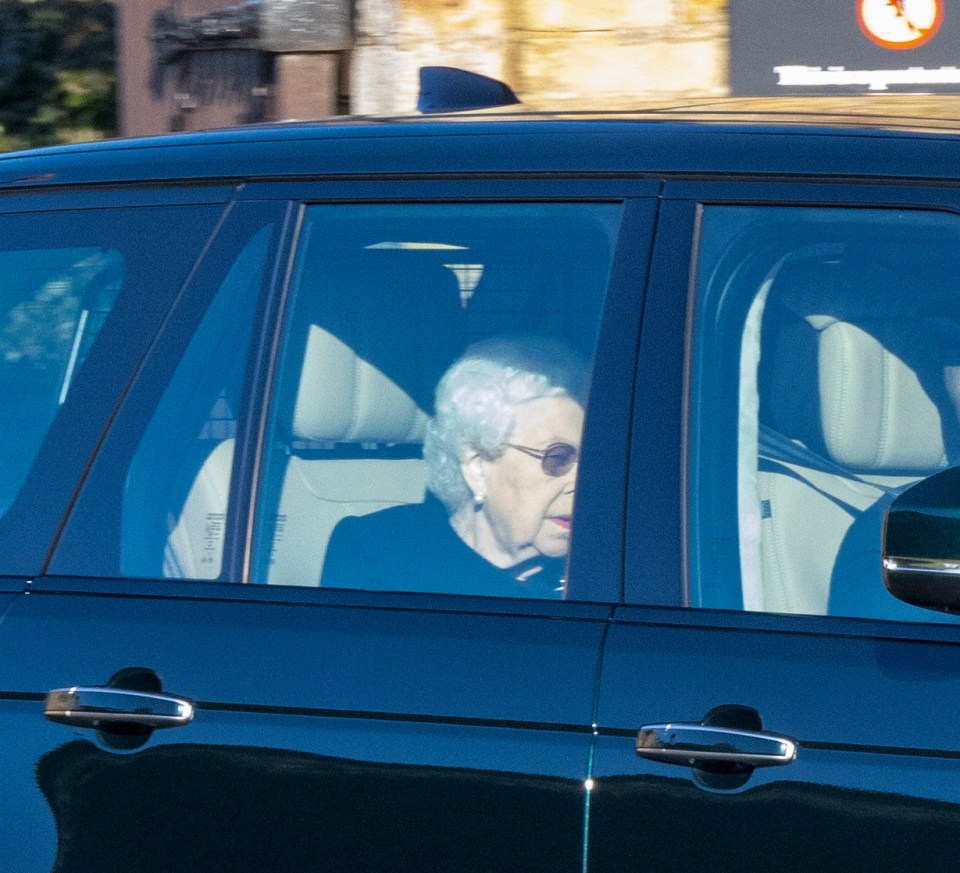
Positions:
(681, 142)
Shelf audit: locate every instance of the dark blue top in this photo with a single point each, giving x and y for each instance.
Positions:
(414, 548)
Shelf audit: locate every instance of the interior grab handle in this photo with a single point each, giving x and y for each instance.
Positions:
(97, 706)
(693, 745)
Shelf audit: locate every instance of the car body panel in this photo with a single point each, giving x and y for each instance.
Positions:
(420, 719)
(865, 761)
(464, 148)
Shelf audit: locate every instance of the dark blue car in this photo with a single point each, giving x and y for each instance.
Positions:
(240, 629)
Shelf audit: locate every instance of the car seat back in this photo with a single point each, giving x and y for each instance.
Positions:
(356, 448)
(854, 407)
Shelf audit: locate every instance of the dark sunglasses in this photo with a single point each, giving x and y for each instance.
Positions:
(556, 460)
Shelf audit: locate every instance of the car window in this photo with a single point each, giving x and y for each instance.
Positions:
(54, 302)
(154, 504)
(490, 309)
(825, 380)
(176, 496)
(78, 298)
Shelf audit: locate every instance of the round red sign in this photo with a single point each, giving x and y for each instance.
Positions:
(900, 24)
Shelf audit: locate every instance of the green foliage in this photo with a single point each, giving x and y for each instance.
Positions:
(57, 79)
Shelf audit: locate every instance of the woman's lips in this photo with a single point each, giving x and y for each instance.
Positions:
(562, 520)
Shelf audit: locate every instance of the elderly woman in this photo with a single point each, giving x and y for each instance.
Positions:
(501, 455)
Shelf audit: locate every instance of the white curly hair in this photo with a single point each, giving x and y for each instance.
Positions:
(478, 399)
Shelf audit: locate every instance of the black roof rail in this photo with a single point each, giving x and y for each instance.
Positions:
(449, 89)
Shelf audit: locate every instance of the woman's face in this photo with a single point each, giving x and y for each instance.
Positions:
(527, 512)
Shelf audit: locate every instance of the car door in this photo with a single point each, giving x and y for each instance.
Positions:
(213, 706)
(81, 303)
(765, 703)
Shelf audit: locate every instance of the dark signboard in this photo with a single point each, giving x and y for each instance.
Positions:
(796, 47)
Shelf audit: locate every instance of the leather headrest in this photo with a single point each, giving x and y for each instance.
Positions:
(875, 412)
(343, 398)
(881, 393)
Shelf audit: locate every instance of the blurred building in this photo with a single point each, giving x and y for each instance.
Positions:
(191, 64)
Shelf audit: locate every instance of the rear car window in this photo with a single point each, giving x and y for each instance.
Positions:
(81, 296)
(54, 303)
(366, 484)
(154, 502)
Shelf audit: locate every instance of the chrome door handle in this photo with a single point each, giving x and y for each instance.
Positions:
(97, 706)
(695, 744)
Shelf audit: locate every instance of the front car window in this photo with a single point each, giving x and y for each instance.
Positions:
(426, 425)
(826, 360)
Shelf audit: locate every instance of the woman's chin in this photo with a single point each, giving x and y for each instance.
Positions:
(555, 544)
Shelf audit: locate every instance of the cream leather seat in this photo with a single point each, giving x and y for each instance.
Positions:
(855, 407)
(194, 548)
(345, 438)
(356, 449)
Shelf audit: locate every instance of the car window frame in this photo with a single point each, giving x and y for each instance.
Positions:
(614, 358)
(605, 462)
(657, 556)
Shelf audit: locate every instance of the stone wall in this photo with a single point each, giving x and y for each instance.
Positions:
(589, 54)
(598, 53)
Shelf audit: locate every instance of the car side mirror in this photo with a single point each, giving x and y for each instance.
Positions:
(921, 543)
